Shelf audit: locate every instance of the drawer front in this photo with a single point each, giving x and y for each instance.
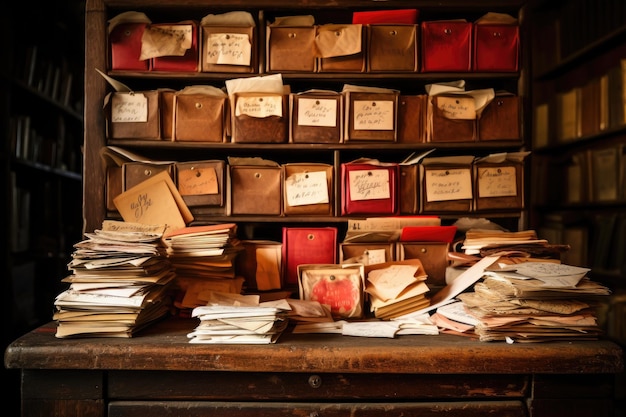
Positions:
(261, 409)
(248, 386)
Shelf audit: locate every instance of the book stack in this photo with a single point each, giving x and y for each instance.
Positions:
(239, 319)
(204, 260)
(535, 302)
(119, 282)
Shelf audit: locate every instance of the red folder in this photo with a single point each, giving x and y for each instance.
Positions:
(382, 203)
(125, 41)
(390, 17)
(428, 234)
(306, 245)
(446, 46)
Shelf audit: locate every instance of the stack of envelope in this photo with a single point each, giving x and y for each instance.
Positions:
(535, 302)
(239, 319)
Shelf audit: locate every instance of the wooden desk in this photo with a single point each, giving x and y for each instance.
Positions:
(158, 373)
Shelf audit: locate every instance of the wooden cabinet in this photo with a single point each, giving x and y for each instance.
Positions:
(333, 154)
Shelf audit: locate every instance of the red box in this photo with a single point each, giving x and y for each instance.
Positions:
(369, 188)
(496, 48)
(307, 245)
(125, 44)
(446, 46)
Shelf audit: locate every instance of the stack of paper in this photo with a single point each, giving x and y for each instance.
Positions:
(534, 302)
(119, 282)
(239, 319)
(396, 288)
(204, 260)
(485, 242)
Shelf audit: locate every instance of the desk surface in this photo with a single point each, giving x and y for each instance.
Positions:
(164, 346)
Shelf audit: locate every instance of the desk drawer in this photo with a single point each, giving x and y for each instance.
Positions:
(252, 386)
(263, 409)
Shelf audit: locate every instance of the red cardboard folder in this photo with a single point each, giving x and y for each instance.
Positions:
(369, 188)
(307, 245)
(391, 17)
(125, 44)
(428, 234)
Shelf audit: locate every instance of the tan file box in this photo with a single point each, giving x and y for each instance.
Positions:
(340, 48)
(371, 116)
(411, 118)
(499, 186)
(114, 185)
(409, 189)
(229, 49)
(202, 184)
(367, 253)
(137, 172)
(166, 103)
(256, 189)
(392, 48)
(447, 184)
(291, 49)
(434, 258)
(308, 189)
(260, 118)
(316, 117)
(200, 117)
(500, 119)
(133, 115)
(260, 264)
(447, 126)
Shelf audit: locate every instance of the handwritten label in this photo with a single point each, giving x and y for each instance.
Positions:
(463, 108)
(228, 49)
(448, 184)
(129, 108)
(369, 184)
(373, 115)
(259, 106)
(166, 40)
(307, 188)
(497, 182)
(197, 181)
(317, 112)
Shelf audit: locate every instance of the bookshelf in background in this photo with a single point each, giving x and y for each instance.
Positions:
(578, 166)
(42, 88)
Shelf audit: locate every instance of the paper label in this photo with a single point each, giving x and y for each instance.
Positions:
(373, 115)
(497, 182)
(448, 184)
(129, 108)
(307, 188)
(463, 108)
(197, 181)
(369, 184)
(317, 112)
(259, 106)
(228, 49)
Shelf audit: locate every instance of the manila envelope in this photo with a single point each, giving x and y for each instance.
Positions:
(154, 201)
(340, 47)
(200, 115)
(392, 48)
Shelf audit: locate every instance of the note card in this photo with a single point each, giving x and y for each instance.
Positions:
(448, 184)
(497, 181)
(369, 184)
(463, 108)
(307, 188)
(129, 108)
(373, 115)
(228, 49)
(317, 112)
(197, 181)
(259, 106)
